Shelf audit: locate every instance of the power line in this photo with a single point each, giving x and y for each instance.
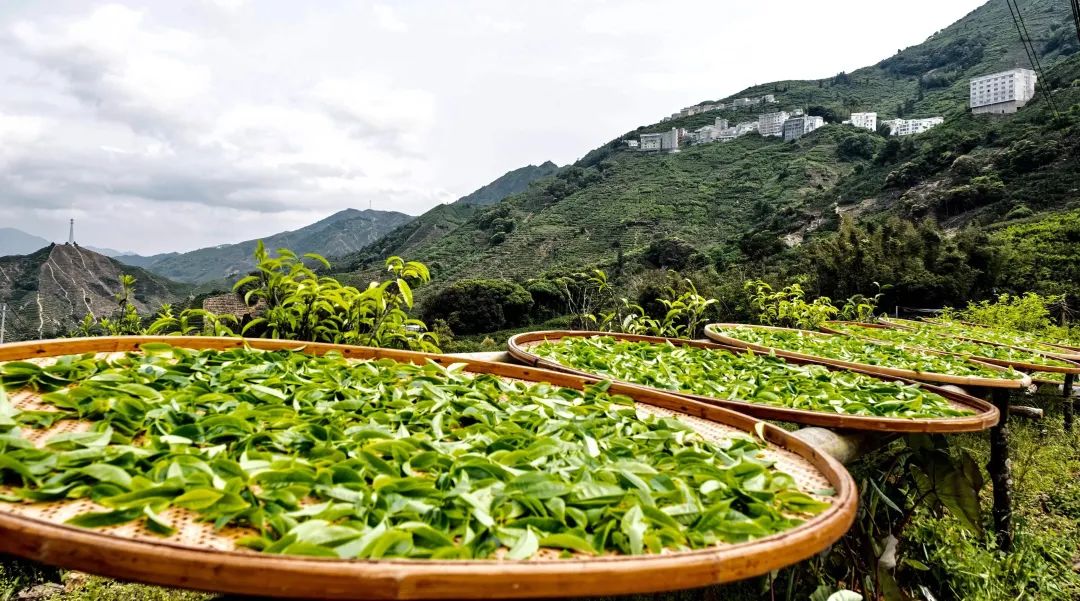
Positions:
(1075, 5)
(1029, 49)
(1038, 63)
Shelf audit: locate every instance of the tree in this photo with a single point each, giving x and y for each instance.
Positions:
(477, 306)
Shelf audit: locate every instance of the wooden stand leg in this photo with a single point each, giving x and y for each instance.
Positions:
(1000, 469)
(1068, 388)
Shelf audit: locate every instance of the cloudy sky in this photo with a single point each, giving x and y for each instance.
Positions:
(164, 126)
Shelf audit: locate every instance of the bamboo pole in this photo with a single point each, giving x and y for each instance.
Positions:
(1067, 388)
(1000, 469)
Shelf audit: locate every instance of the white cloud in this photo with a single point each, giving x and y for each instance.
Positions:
(388, 18)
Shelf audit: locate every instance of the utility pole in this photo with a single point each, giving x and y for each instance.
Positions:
(3, 320)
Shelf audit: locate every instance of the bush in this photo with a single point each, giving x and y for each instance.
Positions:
(1020, 211)
(858, 146)
(478, 306)
(548, 299)
(965, 165)
(674, 253)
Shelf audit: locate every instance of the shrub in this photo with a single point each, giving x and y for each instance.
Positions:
(674, 253)
(858, 147)
(788, 307)
(301, 305)
(548, 299)
(477, 306)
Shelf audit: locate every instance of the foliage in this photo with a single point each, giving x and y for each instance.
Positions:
(922, 265)
(746, 376)
(673, 253)
(1028, 312)
(860, 307)
(477, 463)
(788, 307)
(301, 305)
(191, 322)
(846, 348)
(472, 306)
(684, 315)
(586, 294)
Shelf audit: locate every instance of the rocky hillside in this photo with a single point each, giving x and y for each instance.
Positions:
(342, 233)
(736, 203)
(48, 292)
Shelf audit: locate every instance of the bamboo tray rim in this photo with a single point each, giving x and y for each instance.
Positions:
(986, 414)
(969, 381)
(1067, 354)
(1018, 365)
(252, 573)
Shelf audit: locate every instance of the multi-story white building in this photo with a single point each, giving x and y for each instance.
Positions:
(632, 143)
(768, 99)
(668, 140)
(746, 127)
(864, 120)
(799, 126)
(1002, 92)
(721, 123)
(772, 124)
(907, 127)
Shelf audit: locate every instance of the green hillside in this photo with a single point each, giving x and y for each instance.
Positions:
(760, 205)
(408, 238)
(509, 183)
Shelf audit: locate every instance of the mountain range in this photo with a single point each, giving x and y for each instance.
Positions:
(18, 242)
(338, 234)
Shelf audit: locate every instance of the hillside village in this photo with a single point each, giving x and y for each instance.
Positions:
(996, 93)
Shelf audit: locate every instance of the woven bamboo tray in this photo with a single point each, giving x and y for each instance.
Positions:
(933, 377)
(197, 557)
(986, 415)
(1064, 352)
(1024, 366)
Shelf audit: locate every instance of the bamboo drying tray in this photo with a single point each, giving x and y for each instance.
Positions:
(197, 557)
(933, 377)
(1034, 368)
(986, 415)
(1065, 353)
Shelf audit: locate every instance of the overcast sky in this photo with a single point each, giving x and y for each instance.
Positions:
(164, 126)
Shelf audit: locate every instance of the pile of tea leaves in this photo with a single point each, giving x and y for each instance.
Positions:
(367, 459)
(855, 350)
(750, 377)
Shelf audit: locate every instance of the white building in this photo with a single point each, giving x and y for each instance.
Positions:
(721, 123)
(1002, 92)
(907, 127)
(632, 143)
(746, 127)
(864, 120)
(768, 99)
(799, 126)
(772, 124)
(668, 140)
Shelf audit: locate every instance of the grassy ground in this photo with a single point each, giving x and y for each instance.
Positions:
(1046, 472)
